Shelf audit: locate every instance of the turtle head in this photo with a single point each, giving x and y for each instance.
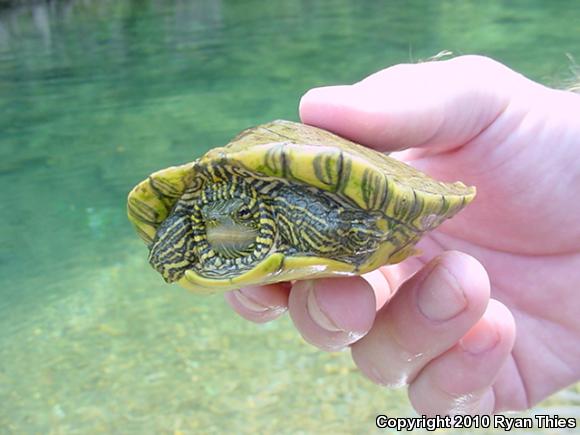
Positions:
(210, 235)
(218, 231)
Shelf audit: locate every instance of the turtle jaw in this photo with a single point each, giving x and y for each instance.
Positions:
(274, 268)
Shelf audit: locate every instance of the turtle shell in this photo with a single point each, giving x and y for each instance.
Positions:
(285, 201)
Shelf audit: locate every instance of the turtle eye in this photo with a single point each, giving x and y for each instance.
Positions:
(243, 213)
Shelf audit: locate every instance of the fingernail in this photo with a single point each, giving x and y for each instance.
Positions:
(480, 339)
(317, 315)
(249, 303)
(440, 296)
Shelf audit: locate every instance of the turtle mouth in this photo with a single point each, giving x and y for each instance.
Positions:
(229, 239)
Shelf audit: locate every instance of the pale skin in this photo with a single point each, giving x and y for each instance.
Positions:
(487, 319)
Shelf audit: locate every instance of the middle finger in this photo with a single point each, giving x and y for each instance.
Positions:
(427, 316)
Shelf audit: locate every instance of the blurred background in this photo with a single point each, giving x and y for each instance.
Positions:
(95, 95)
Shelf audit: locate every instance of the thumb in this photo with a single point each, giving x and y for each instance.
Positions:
(443, 104)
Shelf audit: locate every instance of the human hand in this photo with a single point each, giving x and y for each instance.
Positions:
(429, 322)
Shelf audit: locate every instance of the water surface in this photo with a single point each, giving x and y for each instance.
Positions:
(95, 95)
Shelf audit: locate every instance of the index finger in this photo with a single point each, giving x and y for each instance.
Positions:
(264, 303)
(443, 104)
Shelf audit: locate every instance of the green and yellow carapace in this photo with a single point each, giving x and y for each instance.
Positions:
(286, 201)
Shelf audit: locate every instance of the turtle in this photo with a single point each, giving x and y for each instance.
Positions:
(286, 201)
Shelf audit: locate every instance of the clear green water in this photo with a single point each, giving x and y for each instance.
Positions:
(94, 95)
